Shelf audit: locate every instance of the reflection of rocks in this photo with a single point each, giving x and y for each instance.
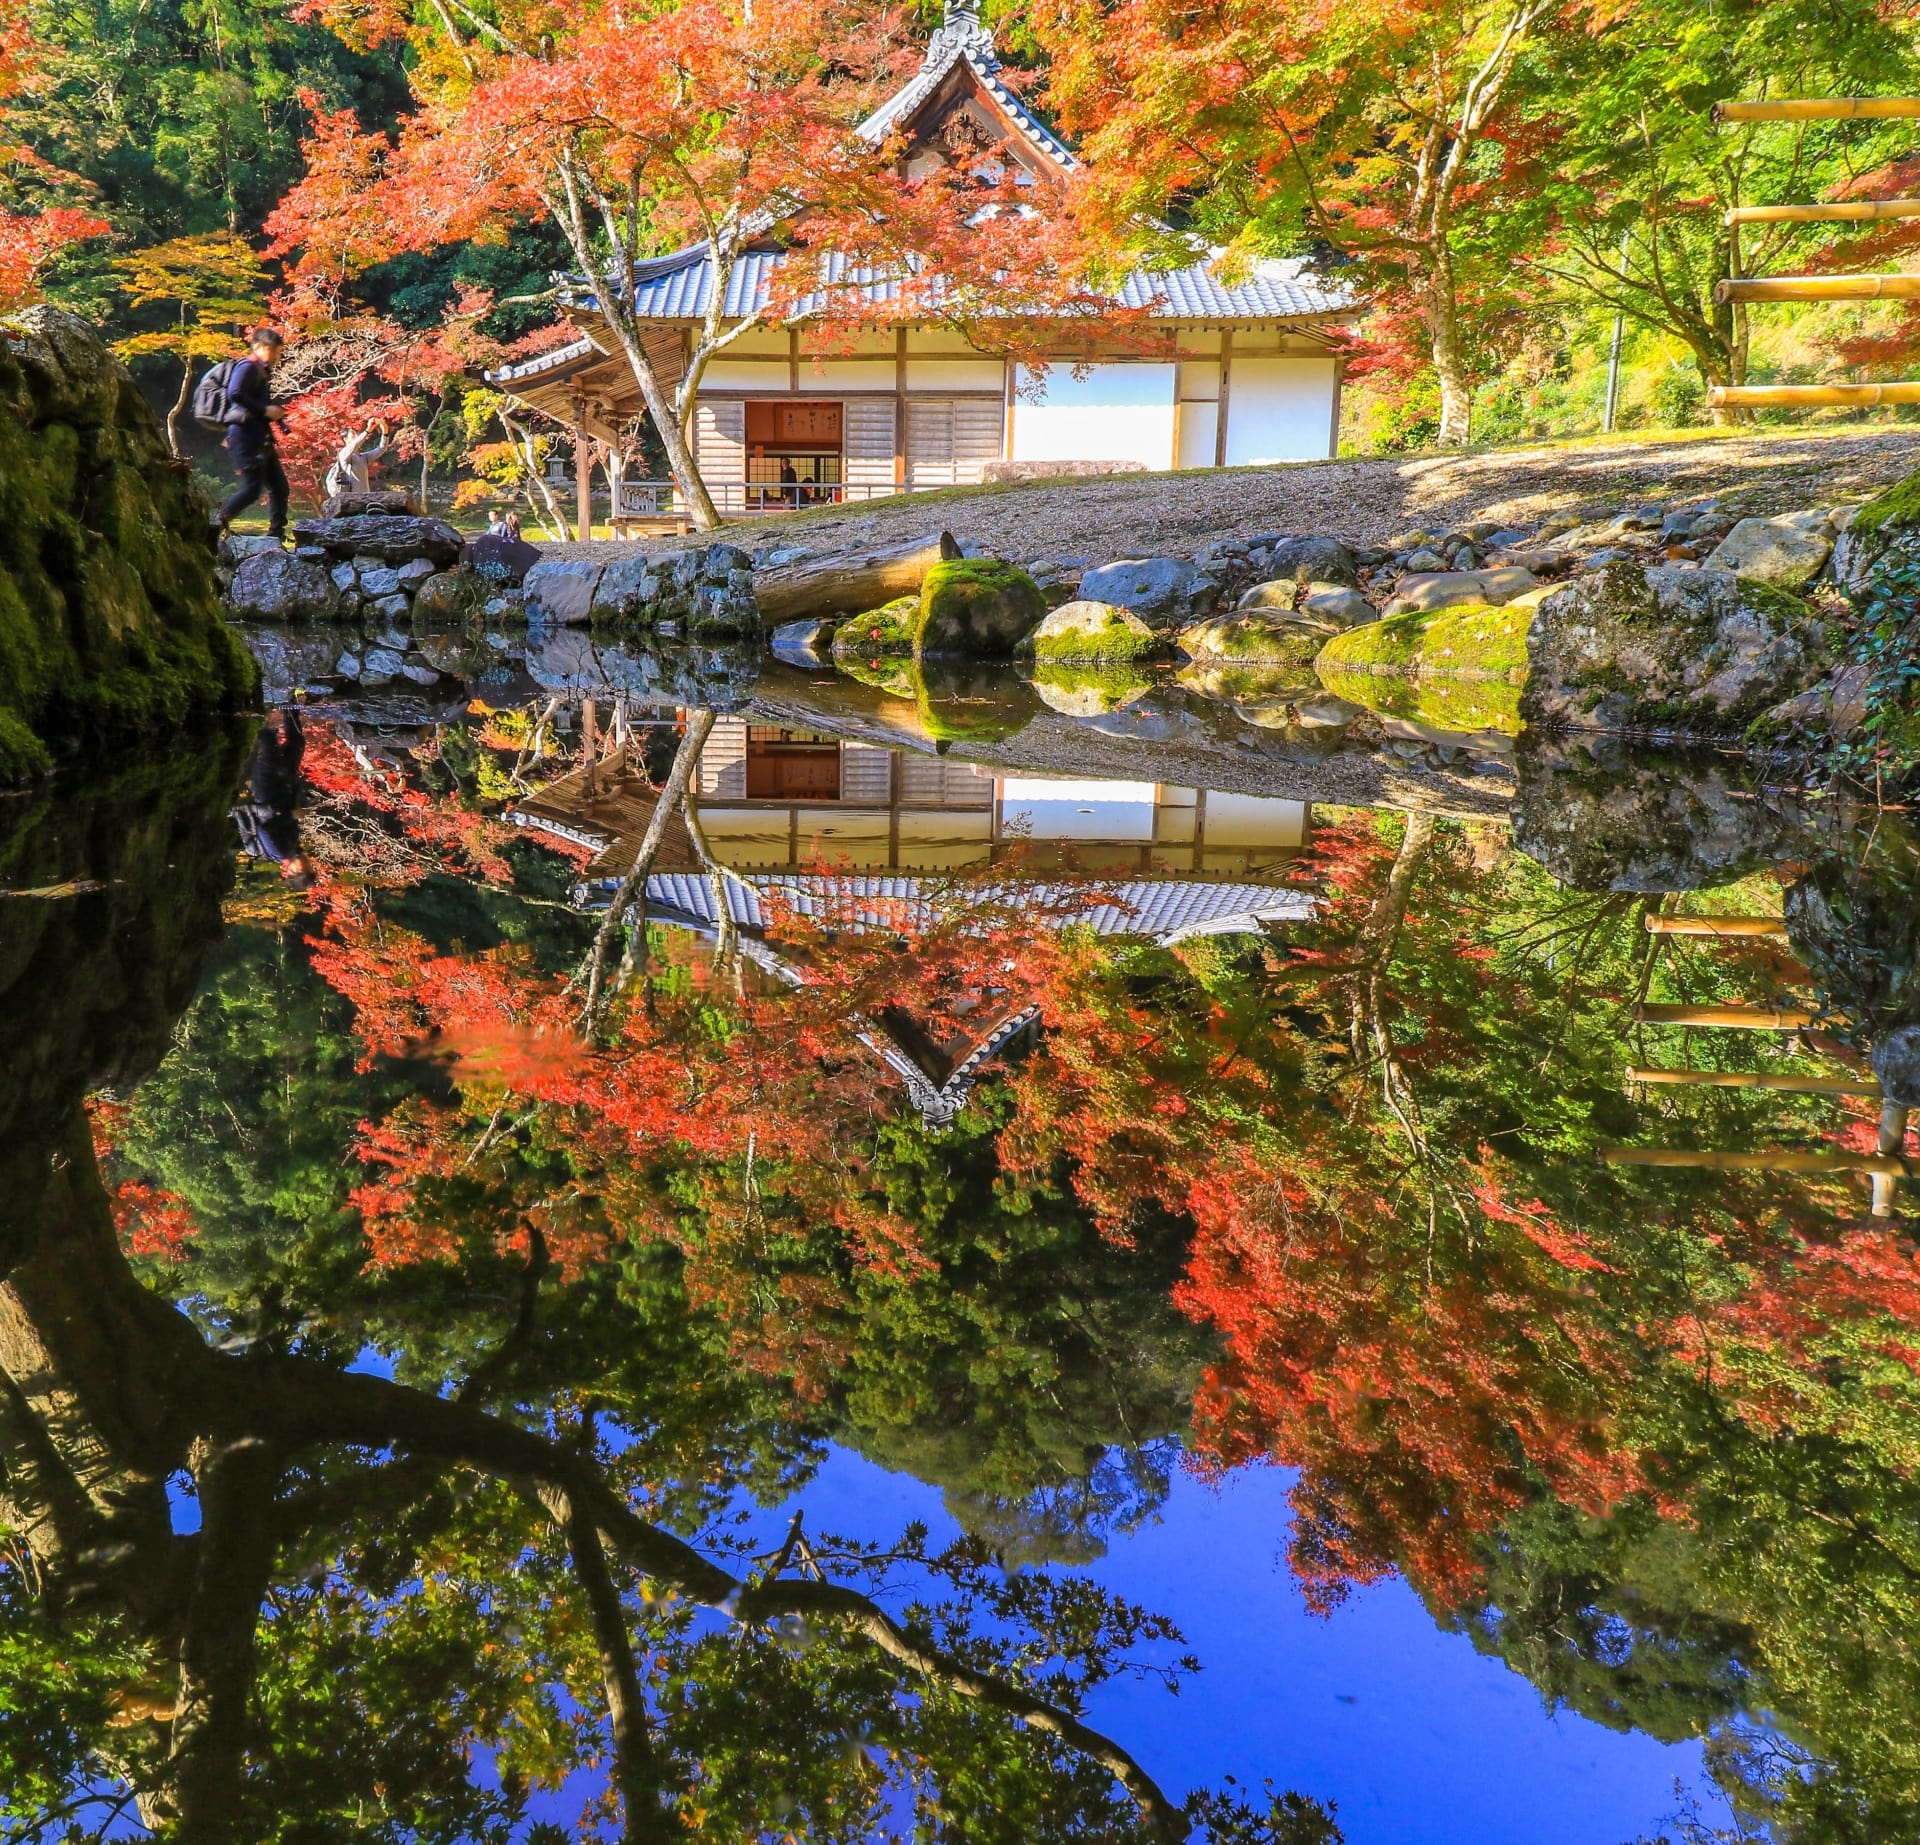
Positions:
(570, 661)
(1600, 816)
(1854, 920)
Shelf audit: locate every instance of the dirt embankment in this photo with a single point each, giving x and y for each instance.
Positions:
(1363, 502)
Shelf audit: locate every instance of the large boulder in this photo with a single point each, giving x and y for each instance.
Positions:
(1313, 560)
(976, 608)
(561, 589)
(1696, 653)
(448, 595)
(278, 586)
(1883, 536)
(627, 590)
(1083, 630)
(392, 538)
(1787, 552)
(111, 631)
(1165, 592)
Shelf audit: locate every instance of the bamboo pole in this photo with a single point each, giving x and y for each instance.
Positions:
(1852, 211)
(1809, 396)
(1893, 1137)
(1818, 288)
(1754, 1079)
(1732, 1018)
(1715, 925)
(1890, 1165)
(1821, 109)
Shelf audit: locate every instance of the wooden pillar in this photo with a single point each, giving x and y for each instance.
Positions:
(1226, 374)
(583, 481)
(900, 407)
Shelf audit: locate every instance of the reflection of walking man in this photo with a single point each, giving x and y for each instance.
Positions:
(251, 415)
(267, 817)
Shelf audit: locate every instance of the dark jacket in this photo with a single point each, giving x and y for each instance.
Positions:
(249, 392)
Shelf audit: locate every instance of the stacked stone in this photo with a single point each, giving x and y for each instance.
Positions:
(370, 556)
(705, 593)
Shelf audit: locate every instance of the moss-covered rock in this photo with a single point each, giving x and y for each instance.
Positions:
(880, 634)
(1478, 638)
(1088, 689)
(111, 631)
(1093, 631)
(1694, 653)
(976, 608)
(1275, 636)
(1883, 535)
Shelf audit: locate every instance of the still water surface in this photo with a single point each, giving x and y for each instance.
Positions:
(648, 1245)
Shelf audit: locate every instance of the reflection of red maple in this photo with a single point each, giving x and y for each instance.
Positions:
(149, 1219)
(1433, 1335)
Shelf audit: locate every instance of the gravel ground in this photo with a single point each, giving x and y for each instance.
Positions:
(1361, 501)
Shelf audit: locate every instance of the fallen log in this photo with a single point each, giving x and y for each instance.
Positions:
(848, 582)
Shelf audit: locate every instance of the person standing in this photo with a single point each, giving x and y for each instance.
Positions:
(250, 416)
(352, 470)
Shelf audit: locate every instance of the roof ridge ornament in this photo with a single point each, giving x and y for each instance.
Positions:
(962, 30)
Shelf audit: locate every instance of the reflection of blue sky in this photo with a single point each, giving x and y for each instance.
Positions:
(1420, 1740)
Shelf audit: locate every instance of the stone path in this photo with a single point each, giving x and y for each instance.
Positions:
(1361, 501)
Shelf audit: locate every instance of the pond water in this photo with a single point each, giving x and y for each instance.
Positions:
(659, 1245)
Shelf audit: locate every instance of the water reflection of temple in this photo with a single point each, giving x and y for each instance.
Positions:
(774, 799)
(838, 825)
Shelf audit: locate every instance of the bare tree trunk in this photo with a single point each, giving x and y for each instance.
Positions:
(1442, 314)
(686, 759)
(177, 416)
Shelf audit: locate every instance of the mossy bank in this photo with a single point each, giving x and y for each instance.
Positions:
(111, 631)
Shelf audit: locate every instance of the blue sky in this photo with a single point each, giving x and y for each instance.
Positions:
(1418, 1738)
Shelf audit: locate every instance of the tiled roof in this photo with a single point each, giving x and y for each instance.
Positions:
(1165, 909)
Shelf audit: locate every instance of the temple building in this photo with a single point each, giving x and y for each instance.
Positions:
(1226, 375)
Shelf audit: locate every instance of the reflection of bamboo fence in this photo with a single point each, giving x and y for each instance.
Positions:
(1818, 287)
(1885, 1166)
(1715, 925)
(1753, 1079)
(1728, 1018)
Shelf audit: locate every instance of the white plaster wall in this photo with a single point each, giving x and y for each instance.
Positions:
(956, 374)
(1199, 427)
(1114, 413)
(1279, 409)
(845, 375)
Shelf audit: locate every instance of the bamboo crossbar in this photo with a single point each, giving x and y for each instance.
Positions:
(1889, 1165)
(1809, 396)
(1733, 1018)
(1715, 925)
(1853, 211)
(1821, 109)
(1754, 1079)
(1818, 288)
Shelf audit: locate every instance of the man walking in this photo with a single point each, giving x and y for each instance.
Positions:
(250, 417)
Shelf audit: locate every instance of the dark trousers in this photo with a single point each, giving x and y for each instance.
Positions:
(260, 472)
